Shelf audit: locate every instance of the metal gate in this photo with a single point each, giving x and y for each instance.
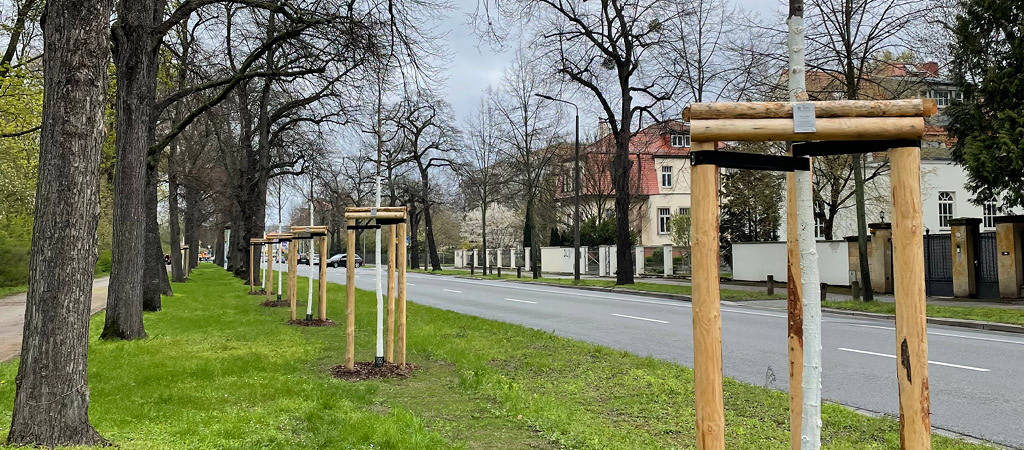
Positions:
(938, 265)
(986, 270)
(593, 260)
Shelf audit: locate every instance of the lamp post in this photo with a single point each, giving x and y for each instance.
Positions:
(576, 189)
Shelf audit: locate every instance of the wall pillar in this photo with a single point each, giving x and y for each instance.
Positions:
(853, 252)
(639, 261)
(880, 257)
(964, 233)
(602, 261)
(667, 260)
(1008, 243)
(498, 252)
(526, 256)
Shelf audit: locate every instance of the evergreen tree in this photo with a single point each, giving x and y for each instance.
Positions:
(988, 60)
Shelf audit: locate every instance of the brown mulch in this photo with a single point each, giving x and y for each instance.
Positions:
(365, 371)
(312, 323)
(283, 303)
(258, 292)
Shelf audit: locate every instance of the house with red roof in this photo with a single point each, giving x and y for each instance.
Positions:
(659, 181)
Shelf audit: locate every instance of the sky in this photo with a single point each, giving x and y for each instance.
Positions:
(475, 65)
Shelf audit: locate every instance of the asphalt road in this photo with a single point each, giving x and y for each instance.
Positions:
(976, 377)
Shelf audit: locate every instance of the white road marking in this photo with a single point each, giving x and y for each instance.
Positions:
(520, 301)
(939, 333)
(452, 290)
(409, 284)
(639, 318)
(958, 366)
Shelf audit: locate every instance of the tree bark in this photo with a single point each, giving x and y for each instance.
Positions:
(173, 213)
(218, 250)
(51, 403)
(135, 59)
(156, 283)
(193, 220)
(434, 260)
(621, 166)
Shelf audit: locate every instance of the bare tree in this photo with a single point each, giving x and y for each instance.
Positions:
(480, 171)
(51, 404)
(602, 47)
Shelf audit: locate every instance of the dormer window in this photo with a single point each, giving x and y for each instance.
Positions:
(680, 140)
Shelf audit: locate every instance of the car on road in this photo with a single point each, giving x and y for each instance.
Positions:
(316, 260)
(341, 260)
(303, 259)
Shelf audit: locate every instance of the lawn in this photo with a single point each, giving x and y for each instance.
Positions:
(999, 315)
(218, 371)
(678, 289)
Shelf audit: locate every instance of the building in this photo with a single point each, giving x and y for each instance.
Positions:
(659, 181)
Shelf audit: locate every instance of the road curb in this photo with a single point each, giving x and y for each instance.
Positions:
(680, 297)
(962, 323)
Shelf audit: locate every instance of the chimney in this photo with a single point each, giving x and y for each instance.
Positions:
(603, 128)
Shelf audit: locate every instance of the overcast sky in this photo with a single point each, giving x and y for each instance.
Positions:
(475, 65)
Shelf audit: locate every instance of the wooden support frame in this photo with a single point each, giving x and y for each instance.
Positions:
(322, 285)
(268, 282)
(836, 121)
(310, 233)
(389, 342)
(253, 242)
(350, 299)
(400, 331)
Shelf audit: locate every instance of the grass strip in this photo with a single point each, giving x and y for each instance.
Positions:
(987, 314)
(219, 371)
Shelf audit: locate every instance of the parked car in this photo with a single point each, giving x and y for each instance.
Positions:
(316, 259)
(303, 259)
(341, 260)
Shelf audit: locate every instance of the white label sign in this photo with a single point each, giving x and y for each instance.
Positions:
(803, 118)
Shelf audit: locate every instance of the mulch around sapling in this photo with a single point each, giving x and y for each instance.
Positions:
(312, 323)
(258, 292)
(366, 371)
(283, 303)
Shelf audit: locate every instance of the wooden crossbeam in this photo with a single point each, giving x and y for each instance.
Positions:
(842, 108)
(827, 129)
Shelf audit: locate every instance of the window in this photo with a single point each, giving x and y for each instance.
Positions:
(819, 227)
(679, 140)
(666, 176)
(663, 217)
(942, 98)
(990, 210)
(958, 95)
(684, 211)
(945, 208)
(686, 140)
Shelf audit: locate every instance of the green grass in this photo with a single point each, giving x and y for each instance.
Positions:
(11, 290)
(220, 372)
(999, 315)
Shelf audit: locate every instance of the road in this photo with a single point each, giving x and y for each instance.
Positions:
(12, 317)
(976, 377)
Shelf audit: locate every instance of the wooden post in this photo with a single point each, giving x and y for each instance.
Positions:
(293, 269)
(795, 314)
(350, 297)
(400, 350)
(389, 343)
(252, 281)
(911, 337)
(323, 279)
(771, 284)
(707, 323)
(269, 283)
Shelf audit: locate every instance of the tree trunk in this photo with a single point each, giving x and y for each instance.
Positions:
(414, 237)
(218, 251)
(620, 179)
(862, 229)
(428, 223)
(483, 228)
(51, 403)
(135, 59)
(155, 282)
(173, 213)
(193, 220)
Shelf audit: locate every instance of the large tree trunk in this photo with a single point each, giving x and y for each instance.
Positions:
(51, 403)
(620, 179)
(218, 251)
(414, 237)
(156, 283)
(173, 213)
(193, 220)
(428, 223)
(135, 58)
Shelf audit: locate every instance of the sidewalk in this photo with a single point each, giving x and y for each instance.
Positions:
(12, 317)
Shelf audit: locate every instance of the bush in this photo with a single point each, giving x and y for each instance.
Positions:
(14, 270)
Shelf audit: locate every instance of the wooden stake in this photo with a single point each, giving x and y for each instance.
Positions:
(389, 342)
(841, 108)
(707, 322)
(400, 357)
(350, 298)
(269, 283)
(323, 279)
(293, 274)
(908, 285)
(795, 309)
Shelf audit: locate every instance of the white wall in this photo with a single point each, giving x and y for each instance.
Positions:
(556, 259)
(755, 261)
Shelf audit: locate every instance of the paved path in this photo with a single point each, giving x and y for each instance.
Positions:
(12, 317)
(976, 376)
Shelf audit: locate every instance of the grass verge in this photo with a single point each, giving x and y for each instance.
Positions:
(664, 288)
(219, 371)
(998, 315)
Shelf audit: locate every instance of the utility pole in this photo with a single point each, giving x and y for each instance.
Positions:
(810, 423)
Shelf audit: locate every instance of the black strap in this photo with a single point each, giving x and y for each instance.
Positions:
(751, 161)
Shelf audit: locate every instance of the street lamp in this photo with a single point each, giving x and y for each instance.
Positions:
(576, 179)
